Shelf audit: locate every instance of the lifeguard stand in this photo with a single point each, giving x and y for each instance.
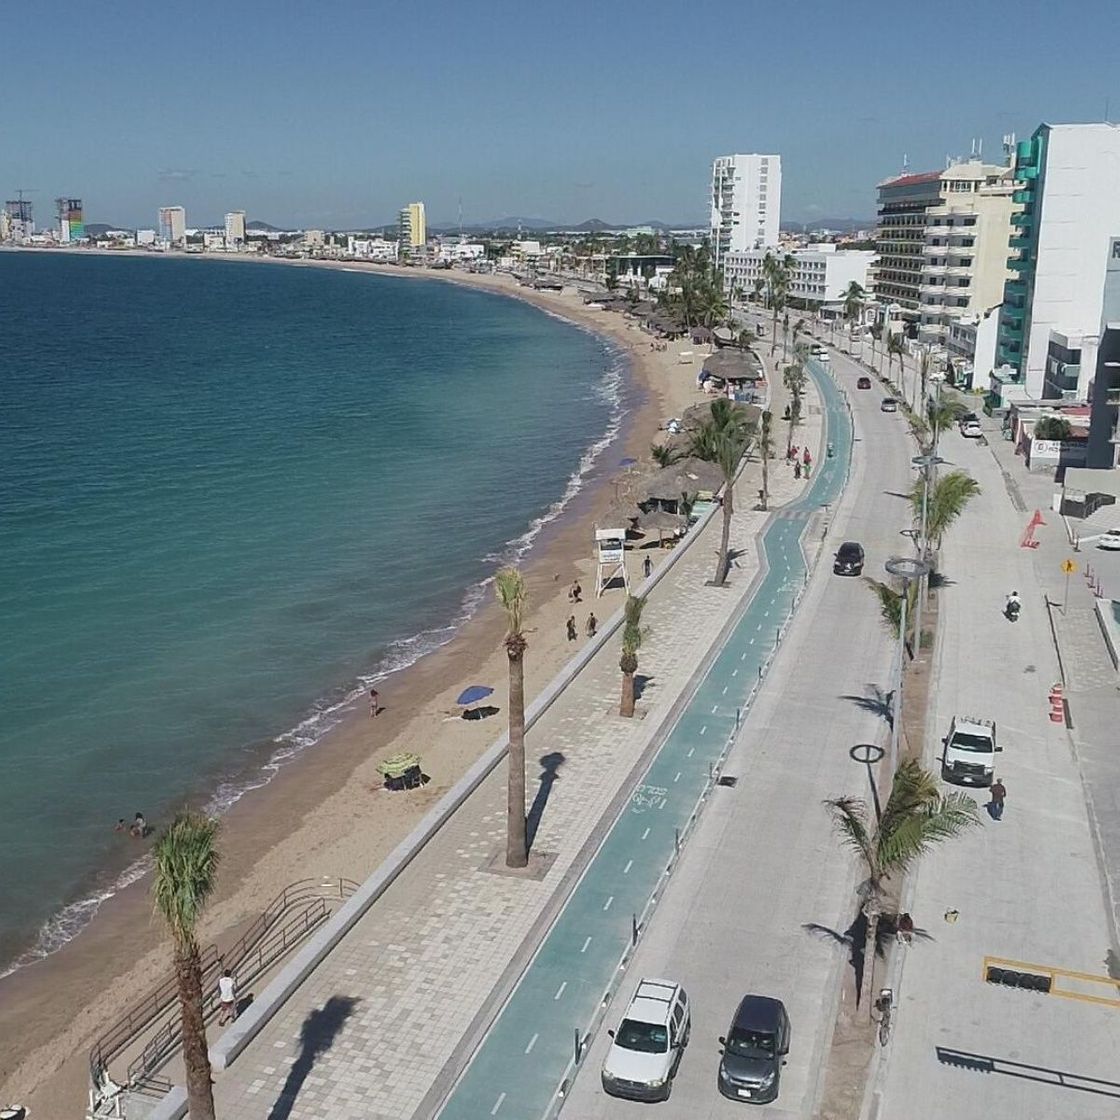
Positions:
(610, 546)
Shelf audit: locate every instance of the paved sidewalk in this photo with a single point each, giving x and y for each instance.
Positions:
(382, 1019)
(1026, 888)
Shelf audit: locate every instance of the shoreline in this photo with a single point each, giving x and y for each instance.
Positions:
(330, 821)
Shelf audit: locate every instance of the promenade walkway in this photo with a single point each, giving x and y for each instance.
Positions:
(382, 1027)
(1027, 887)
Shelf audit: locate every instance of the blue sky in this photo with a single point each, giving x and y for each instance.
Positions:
(334, 112)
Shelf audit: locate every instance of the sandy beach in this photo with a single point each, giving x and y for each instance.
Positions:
(325, 814)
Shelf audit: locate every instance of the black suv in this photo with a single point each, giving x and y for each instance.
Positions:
(753, 1051)
(849, 559)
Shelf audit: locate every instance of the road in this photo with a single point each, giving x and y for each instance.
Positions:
(1027, 887)
(764, 861)
(521, 1062)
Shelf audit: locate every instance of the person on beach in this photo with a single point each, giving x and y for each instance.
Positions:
(120, 826)
(592, 625)
(647, 566)
(797, 468)
(227, 998)
(575, 595)
(139, 827)
(572, 628)
(374, 703)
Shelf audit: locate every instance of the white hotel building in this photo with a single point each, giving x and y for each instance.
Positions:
(746, 203)
(820, 274)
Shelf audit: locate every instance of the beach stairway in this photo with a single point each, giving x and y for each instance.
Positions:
(125, 1061)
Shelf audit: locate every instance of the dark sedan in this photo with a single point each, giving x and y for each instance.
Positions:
(754, 1050)
(849, 559)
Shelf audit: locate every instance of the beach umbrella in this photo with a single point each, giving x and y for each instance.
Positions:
(473, 694)
(397, 765)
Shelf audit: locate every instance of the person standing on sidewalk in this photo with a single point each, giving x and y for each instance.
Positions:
(227, 998)
(998, 795)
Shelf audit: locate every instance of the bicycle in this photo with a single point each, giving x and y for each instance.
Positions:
(884, 1005)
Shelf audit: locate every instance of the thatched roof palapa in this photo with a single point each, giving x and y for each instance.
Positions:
(734, 365)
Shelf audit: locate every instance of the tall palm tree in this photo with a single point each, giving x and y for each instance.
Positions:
(876, 338)
(514, 597)
(947, 499)
(724, 439)
(798, 329)
(895, 349)
(925, 365)
(664, 455)
(794, 380)
(916, 817)
(632, 636)
(766, 453)
(853, 301)
(186, 869)
(943, 414)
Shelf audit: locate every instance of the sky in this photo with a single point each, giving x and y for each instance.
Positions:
(334, 113)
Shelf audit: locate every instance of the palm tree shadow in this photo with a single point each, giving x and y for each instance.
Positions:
(319, 1030)
(878, 701)
(550, 767)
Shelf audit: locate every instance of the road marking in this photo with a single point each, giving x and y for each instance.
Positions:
(645, 834)
(743, 656)
(715, 708)
(625, 871)
(765, 614)
(691, 751)
(533, 1040)
(750, 643)
(759, 626)
(607, 904)
(497, 1105)
(703, 729)
(725, 688)
(583, 950)
(678, 777)
(734, 672)
(560, 990)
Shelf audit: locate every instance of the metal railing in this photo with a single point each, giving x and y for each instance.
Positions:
(270, 935)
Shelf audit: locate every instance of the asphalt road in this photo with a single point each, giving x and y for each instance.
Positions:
(764, 862)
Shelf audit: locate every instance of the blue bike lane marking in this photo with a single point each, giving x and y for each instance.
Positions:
(518, 1067)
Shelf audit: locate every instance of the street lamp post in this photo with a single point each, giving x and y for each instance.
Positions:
(906, 569)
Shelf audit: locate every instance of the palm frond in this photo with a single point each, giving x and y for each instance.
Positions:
(509, 585)
(849, 819)
(186, 870)
(890, 603)
(914, 834)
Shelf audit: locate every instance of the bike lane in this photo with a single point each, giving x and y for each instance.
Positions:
(517, 1070)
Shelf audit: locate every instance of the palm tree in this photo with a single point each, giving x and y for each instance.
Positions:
(876, 338)
(943, 414)
(853, 301)
(758, 285)
(925, 363)
(916, 817)
(665, 456)
(946, 502)
(632, 636)
(794, 380)
(723, 439)
(798, 329)
(512, 594)
(766, 453)
(186, 868)
(895, 349)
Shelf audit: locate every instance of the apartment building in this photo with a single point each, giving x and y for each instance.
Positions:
(746, 203)
(173, 225)
(1068, 185)
(235, 229)
(819, 275)
(413, 232)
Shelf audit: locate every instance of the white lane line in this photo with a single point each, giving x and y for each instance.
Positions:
(607, 904)
(734, 672)
(703, 729)
(759, 626)
(497, 1104)
(626, 870)
(583, 950)
(743, 656)
(715, 708)
(725, 688)
(750, 643)
(645, 834)
(678, 777)
(765, 614)
(560, 990)
(691, 751)
(532, 1043)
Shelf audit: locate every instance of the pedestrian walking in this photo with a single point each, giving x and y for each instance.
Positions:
(575, 594)
(807, 458)
(227, 998)
(374, 702)
(905, 929)
(647, 566)
(592, 625)
(797, 468)
(572, 628)
(998, 795)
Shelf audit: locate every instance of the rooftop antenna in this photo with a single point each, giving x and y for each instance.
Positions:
(460, 217)
(905, 163)
(980, 147)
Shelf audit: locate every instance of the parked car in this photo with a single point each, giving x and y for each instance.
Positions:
(754, 1050)
(1110, 541)
(863, 383)
(849, 559)
(819, 352)
(969, 425)
(889, 405)
(647, 1046)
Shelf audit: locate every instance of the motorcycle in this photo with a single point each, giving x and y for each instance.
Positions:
(1011, 611)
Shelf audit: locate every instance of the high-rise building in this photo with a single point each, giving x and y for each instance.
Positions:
(413, 232)
(21, 225)
(900, 238)
(71, 226)
(1106, 377)
(235, 229)
(1068, 182)
(173, 225)
(746, 203)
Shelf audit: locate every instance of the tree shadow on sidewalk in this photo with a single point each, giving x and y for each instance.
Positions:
(550, 767)
(878, 701)
(319, 1030)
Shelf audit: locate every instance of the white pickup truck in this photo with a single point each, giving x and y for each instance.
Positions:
(969, 754)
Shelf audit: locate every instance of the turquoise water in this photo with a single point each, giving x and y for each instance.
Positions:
(229, 495)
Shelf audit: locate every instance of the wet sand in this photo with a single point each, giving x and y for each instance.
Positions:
(325, 814)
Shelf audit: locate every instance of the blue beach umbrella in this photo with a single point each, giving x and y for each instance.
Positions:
(473, 694)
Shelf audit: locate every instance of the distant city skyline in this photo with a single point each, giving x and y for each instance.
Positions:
(316, 117)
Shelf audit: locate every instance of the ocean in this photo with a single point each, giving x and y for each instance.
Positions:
(231, 495)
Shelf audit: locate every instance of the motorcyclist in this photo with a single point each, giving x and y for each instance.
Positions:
(1013, 605)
